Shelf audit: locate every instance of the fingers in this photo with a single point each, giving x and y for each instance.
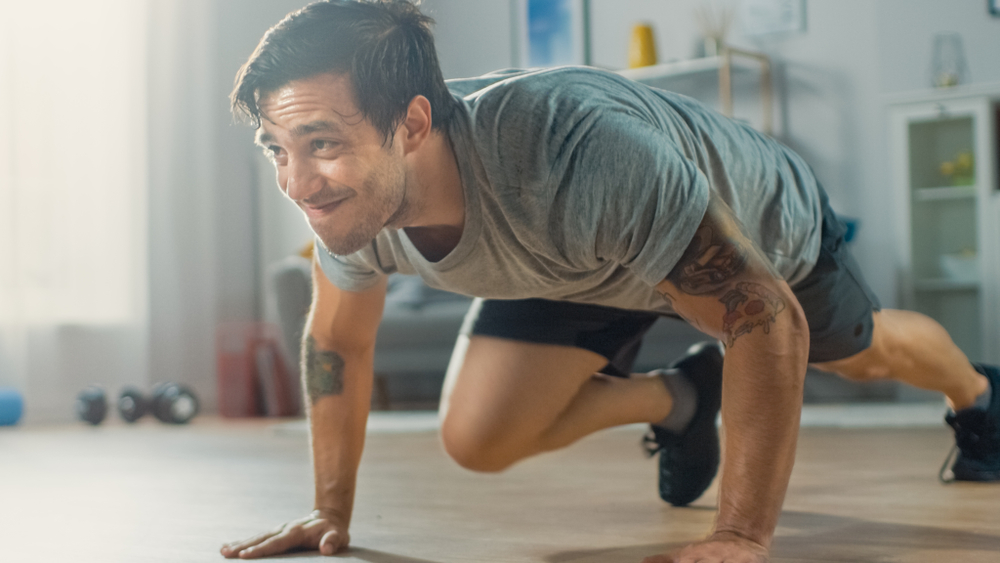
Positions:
(308, 533)
(233, 549)
(290, 538)
(332, 542)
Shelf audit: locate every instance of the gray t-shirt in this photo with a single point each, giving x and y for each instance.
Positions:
(581, 185)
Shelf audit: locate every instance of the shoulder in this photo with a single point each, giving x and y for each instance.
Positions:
(362, 269)
(549, 91)
(527, 123)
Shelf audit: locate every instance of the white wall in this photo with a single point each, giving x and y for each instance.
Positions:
(473, 37)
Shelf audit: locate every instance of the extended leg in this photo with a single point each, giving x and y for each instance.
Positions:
(915, 349)
(505, 400)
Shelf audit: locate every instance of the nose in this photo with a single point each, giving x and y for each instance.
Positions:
(301, 179)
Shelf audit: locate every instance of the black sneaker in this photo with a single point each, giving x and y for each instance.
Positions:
(977, 437)
(690, 460)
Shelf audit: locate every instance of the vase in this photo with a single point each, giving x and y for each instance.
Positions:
(948, 67)
(642, 48)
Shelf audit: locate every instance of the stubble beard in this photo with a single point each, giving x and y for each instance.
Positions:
(392, 208)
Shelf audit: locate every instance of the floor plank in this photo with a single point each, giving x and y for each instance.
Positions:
(156, 493)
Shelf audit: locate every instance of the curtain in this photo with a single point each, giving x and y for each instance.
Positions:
(73, 173)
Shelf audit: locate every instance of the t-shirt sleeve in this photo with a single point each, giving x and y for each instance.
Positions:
(636, 195)
(349, 273)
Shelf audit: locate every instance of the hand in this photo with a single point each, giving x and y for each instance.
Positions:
(718, 548)
(320, 530)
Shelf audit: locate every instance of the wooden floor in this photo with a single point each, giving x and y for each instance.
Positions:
(156, 493)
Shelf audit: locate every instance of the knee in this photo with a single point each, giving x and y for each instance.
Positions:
(472, 448)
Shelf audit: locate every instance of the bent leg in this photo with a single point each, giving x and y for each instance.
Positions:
(915, 349)
(505, 400)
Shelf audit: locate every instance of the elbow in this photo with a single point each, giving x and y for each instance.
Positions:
(799, 324)
(754, 310)
(799, 336)
(771, 331)
(793, 343)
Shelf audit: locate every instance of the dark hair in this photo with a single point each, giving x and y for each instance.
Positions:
(384, 46)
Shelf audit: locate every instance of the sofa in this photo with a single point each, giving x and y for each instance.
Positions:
(419, 325)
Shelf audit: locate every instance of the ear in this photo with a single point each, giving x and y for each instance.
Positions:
(416, 126)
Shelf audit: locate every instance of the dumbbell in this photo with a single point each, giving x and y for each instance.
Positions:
(132, 405)
(170, 403)
(92, 405)
(173, 403)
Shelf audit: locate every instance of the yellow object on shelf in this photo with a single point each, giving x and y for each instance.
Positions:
(961, 171)
(642, 47)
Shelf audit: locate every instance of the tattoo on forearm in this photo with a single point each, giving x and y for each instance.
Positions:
(747, 306)
(322, 370)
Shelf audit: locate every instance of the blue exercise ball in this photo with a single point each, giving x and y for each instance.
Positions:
(11, 406)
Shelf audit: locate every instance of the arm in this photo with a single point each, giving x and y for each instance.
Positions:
(726, 287)
(337, 362)
(337, 372)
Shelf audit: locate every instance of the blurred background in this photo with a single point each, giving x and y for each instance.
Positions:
(136, 218)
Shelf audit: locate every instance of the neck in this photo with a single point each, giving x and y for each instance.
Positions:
(435, 185)
(437, 197)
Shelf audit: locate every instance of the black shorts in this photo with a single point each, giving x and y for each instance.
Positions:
(837, 302)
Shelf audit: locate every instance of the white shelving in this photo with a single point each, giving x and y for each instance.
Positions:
(723, 65)
(944, 193)
(945, 284)
(950, 223)
(677, 68)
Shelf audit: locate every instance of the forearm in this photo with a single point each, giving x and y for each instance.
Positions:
(338, 393)
(762, 400)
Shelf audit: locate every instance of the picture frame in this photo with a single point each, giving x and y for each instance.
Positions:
(767, 17)
(550, 33)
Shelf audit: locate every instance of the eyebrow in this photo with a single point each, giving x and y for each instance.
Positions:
(263, 139)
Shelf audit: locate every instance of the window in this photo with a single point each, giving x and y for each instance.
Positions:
(72, 161)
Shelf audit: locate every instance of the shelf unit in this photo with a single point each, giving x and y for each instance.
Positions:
(950, 214)
(724, 64)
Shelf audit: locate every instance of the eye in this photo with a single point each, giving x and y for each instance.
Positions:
(323, 145)
(275, 153)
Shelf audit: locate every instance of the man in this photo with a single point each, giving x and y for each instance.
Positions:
(581, 206)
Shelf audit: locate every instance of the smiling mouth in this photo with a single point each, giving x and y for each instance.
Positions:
(324, 209)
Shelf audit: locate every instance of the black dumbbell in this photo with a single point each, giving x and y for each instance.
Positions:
(170, 403)
(92, 405)
(132, 405)
(173, 403)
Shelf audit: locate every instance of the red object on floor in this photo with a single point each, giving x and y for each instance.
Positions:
(253, 375)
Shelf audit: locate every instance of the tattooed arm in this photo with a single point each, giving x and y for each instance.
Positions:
(337, 372)
(726, 287)
(337, 364)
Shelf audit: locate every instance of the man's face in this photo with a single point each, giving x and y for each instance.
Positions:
(332, 162)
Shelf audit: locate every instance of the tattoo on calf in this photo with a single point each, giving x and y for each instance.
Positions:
(747, 306)
(323, 371)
